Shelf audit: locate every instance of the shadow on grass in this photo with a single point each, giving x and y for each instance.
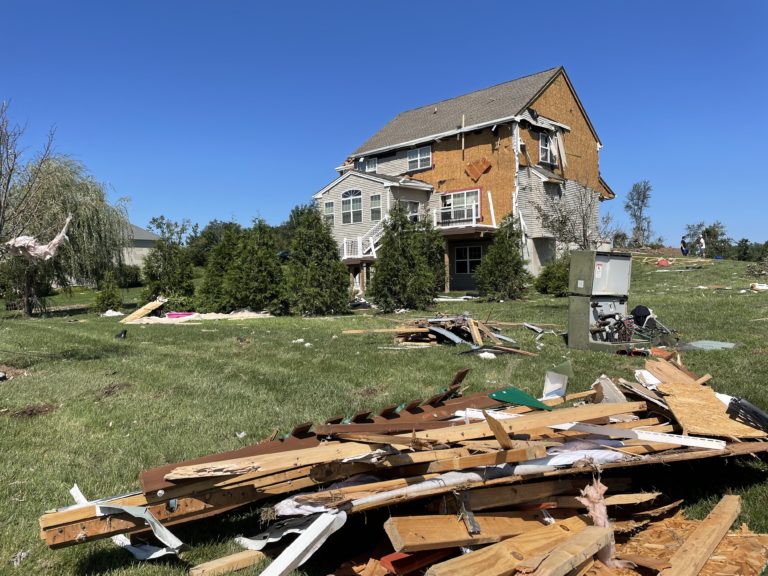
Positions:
(703, 480)
(113, 558)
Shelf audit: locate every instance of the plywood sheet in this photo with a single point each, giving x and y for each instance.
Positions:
(698, 411)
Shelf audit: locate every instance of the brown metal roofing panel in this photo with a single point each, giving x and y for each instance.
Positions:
(500, 101)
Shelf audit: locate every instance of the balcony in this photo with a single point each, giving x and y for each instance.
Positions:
(456, 216)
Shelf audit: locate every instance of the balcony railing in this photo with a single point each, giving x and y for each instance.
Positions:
(448, 216)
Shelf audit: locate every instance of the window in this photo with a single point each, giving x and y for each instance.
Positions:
(375, 207)
(351, 207)
(371, 164)
(546, 154)
(412, 209)
(328, 213)
(460, 206)
(420, 158)
(468, 258)
(553, 191)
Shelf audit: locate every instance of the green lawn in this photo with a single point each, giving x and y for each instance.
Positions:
(184, 391)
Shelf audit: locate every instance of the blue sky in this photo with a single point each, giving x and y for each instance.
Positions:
(233, 109)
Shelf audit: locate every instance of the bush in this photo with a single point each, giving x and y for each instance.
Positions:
(222, 255)
(317, 282)
(108, 297)
(410, 269)
(128, 276)
(554, 277)
(167, 268)
(180, 302)
(502, 275)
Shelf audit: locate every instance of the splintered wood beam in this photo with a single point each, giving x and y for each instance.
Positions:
(398, 330)
(502, 436)
(571, 553)
(530, 421)
(302, 457)
(502, 496)
(487, 459)
(502, 558)
(689, 559)
(227, 564)
(416, 533)
(476, 338)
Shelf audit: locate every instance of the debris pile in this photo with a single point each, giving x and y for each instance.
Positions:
(480, 336)
(498, 483)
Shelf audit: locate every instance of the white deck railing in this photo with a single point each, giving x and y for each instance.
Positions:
(456, 216)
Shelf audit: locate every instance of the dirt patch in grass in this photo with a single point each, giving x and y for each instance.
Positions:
(34, 410)
(371, 391)
(11, 372)
(111, 389)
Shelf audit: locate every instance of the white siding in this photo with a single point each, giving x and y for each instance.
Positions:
(368, 188)
(394, 165)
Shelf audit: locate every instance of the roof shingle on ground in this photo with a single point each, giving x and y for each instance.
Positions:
(500, 101)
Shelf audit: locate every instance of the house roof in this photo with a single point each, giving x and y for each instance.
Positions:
(141, 234)
(385, 180)
(482, 106)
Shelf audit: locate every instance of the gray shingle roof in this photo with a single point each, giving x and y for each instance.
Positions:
(500, 101)
(142, 234)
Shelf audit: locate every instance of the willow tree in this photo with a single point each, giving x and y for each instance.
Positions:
(42, 196)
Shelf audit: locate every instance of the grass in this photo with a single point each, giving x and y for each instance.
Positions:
(167, 393)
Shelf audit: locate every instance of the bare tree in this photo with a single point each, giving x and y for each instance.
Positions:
(19, 181)
(574, 220)
(636, 206)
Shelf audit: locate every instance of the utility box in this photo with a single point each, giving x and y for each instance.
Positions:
(597, 302)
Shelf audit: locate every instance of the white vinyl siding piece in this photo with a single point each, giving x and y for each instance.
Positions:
(328, 213)
(351, 207)
(420, 158)
(375, 207)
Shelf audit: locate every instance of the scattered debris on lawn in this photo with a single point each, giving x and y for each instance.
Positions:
(9, 372)
(121, 335)
(18, 558)
(480, 336)
(34, 410)
(111, 389)
(501, 483)
(111, 313)
(758, 268)
(706, 345)
(196, 317)
(757, 287)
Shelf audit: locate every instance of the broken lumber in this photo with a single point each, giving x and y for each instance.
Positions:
(144, 310)
(416, 533)
(570, 554)
(227, 564)
(502, 558)
(696, 550)
(530, 421)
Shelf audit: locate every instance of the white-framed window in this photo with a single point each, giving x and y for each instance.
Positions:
(412, 209)
(553, 190)
(375, 207)
(371, 164)
(467, 258)
(328, 213)
(419, 158)
(351, 207)
(460, 206)
(546, 154)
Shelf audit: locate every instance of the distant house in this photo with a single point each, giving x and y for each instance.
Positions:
(141, 242)
(466, 163)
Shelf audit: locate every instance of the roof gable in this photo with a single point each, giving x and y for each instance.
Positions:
(384, 180)
(486, 105)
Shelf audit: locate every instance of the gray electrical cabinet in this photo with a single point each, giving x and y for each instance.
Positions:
(597, 302)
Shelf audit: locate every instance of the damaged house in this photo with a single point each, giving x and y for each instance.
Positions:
(466, 163)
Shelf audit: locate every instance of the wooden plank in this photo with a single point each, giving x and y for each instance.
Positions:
(668, 372)
(429, 532)
(488, 332)
(571, 502)
(503, 496)
(227, 564)
(571, 553)
(397, 330)
(489, 459)
(699, 412)
(143, 311)
(295, 458)
(476, 338)
(501, 435)
(502, 558)
(531, 421)
(400, 563)
(689, 559)
(512, 350)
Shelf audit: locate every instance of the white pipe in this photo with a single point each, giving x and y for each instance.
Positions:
(490, 207)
